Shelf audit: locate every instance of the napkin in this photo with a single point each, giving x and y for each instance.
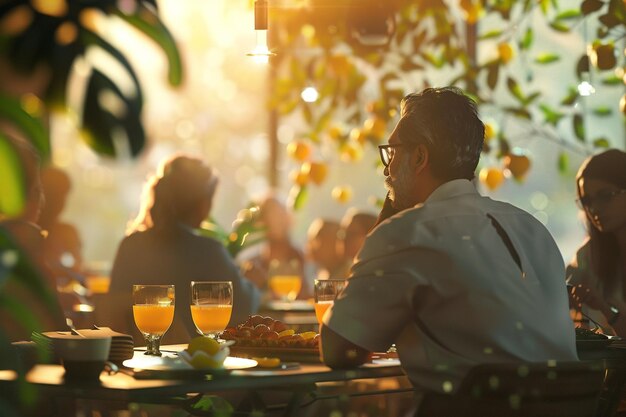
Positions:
(121, 344)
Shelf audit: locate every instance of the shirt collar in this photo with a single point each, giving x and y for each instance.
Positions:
(451, 189)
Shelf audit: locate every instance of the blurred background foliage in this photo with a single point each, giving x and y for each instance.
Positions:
(332, 50)
(53, 43)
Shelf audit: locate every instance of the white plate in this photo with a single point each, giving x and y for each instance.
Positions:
(165, 363)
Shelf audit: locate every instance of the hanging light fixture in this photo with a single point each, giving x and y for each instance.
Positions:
(261, 52)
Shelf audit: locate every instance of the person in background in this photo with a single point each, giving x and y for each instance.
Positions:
(163, 247)
(322, 247)
(29, 240)
(63, 246)
(355, 225)
(597, 274)
(454, 279)
(277, 253)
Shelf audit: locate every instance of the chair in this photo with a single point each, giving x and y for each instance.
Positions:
(551, 389)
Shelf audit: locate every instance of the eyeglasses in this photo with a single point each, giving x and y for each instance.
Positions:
(387, 152)
(601, 198)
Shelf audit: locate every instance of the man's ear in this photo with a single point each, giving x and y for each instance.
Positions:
(419, 158)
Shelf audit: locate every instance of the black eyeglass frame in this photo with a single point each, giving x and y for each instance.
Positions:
(587, 202)
(385, 155)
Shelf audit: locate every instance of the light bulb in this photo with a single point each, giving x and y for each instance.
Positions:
(261, 52)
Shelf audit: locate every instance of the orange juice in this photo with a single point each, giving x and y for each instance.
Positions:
(320, 309)
(152, 318)
(286, 286)
(98, 284)
(211, 318)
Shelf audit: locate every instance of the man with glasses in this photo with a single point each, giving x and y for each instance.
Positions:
(454, 279)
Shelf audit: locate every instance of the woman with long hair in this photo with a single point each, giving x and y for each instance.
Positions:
(597, 275)
(163, 246)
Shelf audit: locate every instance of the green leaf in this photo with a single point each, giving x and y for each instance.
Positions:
(571, 97)
(579, 127)
(148, 22)
(603, 111)
(114, 124)
(493, 70)
(547, 58)
(560, 27)
(12, 180)
(32, 128)
(515, 89)
(601, 143)
(490, 34)
(551, 116)
(503, 146)
(91, 38)
(582, 66)
(213, 405)
(563, 163)
(568, 14)
(298, 196)
(518, 112)
(527, 41)
(612, 80)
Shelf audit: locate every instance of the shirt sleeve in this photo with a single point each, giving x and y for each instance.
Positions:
(371, 311)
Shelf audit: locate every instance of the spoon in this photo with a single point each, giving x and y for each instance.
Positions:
(73, 330)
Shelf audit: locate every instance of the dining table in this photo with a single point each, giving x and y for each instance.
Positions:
(179, 388)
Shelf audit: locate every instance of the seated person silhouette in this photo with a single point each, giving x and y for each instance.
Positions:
(597, 273)
(322, 248)
(164, 247)
(63, 246)
(277, 253)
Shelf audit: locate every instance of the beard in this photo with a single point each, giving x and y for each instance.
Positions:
(400, 187)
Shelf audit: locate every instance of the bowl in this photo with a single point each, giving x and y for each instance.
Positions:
(82, 357)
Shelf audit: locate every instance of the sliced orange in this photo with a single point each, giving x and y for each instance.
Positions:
(265, 362)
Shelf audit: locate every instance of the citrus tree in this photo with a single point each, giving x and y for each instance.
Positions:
(490, 48)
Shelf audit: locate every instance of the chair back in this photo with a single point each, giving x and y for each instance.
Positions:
(550, 389)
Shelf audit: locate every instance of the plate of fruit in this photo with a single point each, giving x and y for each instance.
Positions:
(261, 336)
(203, 356)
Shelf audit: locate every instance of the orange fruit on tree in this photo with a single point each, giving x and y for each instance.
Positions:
(335, 132)
(299, 150)
(342, 193)
(299, 177)
(602, 56)
(315, 171)
(375, 126)
(622, 104)
(505, 52)
(490, 131)
(517, 165)
(491, 177)
(351, 152)
(357, 135)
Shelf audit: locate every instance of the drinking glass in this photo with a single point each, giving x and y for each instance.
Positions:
(284, 279)
(211, 306)
(326, 290)
(153, 309)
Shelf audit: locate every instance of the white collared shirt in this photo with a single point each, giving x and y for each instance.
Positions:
(439, 281)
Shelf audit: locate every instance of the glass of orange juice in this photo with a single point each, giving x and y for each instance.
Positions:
(326, 290)
(285, 279)
(211, 306)
(153, 310)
